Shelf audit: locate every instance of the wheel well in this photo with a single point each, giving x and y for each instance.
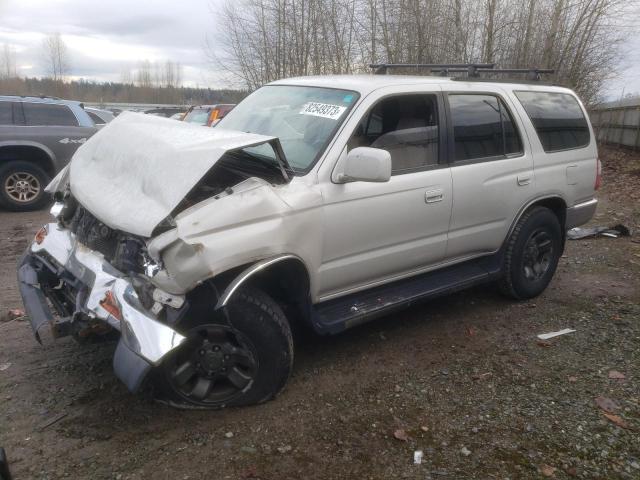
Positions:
(287, 282)
(28, 153)
(556, 205)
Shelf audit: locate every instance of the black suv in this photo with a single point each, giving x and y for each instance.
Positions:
(38, 136)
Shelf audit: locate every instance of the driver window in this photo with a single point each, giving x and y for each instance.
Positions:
(406, 126)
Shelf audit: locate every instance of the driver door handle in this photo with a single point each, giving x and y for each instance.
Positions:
(433, 196)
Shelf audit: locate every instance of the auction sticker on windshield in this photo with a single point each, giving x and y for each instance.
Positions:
(323, 110)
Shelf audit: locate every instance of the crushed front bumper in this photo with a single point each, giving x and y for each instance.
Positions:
(144, 340)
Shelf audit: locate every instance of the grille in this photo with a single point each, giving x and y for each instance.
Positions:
(94, 234)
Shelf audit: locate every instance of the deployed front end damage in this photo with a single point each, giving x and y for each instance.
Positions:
(148, 210)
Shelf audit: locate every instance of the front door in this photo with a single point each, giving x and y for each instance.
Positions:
(375, 232)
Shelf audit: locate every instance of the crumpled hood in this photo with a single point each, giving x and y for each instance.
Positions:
(137, 169)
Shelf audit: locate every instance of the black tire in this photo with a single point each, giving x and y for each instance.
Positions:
(252, 342)
(528, 266)
(22, 186)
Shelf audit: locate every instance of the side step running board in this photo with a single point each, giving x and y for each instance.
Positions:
(334, 316)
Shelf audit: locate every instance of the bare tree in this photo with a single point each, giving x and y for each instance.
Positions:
(8, 62)
(270, 39)
(56, 56)
(144, 75)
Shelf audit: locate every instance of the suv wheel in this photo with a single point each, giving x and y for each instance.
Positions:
(532, 254)
(22, 186)
(241, 360)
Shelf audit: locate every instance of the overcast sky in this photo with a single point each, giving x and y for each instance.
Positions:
(108, 37)
(104, 38)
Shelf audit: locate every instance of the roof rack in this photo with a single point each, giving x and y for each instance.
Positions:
(473, 70)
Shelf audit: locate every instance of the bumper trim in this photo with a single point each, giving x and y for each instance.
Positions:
(34, 300)
(130, 368)
(581, 213)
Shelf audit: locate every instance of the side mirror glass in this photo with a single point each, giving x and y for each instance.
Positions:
(365, 164)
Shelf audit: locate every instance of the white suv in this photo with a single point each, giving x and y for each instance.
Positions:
(325, 201)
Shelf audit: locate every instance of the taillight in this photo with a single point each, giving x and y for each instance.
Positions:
(213, 117)
(596, 186)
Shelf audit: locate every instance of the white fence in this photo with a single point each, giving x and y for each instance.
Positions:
(618, 125)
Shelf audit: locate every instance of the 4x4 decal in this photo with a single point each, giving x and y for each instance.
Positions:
(72, 140)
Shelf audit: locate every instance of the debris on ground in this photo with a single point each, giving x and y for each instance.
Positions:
(4, 366)
(547, 336)
(465, 451)
(229, 435)
(400, 434)
(614, 232)
(285, 449)
(12, 314)
(616, 375)
(470, 331)
(547, 470)
(617, 419)
(607, 404)
(417, 457)
(51, 421)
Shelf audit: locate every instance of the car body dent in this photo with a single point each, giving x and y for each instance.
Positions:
(218, 235)
(148, 163)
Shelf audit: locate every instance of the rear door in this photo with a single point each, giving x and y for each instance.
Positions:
(491, 169)
(55, 126)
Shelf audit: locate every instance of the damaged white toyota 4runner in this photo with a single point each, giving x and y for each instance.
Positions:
(325, 201)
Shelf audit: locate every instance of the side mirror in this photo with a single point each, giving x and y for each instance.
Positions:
(365, 164)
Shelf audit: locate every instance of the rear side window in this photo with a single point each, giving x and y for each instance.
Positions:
(6, 117)
(482, 127)
(557, 118)
(48, 114)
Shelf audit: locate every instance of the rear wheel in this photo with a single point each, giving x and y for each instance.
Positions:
(532, 254)
(22, 186)
(242, 358)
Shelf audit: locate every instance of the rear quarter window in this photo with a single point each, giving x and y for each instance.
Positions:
(96, 119)
(44, 114)
(557, 118)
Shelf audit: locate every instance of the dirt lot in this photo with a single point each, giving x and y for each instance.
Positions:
(464, 378)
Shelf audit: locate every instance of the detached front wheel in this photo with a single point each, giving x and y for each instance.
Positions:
(242, 358)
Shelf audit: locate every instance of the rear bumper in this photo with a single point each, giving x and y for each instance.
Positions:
(581, 213)
(144, 341)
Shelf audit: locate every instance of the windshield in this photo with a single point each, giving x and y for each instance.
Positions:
(303, 118)
(197, 115)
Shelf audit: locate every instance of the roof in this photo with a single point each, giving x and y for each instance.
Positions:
(367, 83)
(33, 99)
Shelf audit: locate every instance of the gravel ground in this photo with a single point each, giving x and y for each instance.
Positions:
(463, 378)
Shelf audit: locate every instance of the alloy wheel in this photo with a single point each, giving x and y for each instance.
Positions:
(22, 187)
(216, 364)
(538, 255)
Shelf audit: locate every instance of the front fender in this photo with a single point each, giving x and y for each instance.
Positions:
(245, 228)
